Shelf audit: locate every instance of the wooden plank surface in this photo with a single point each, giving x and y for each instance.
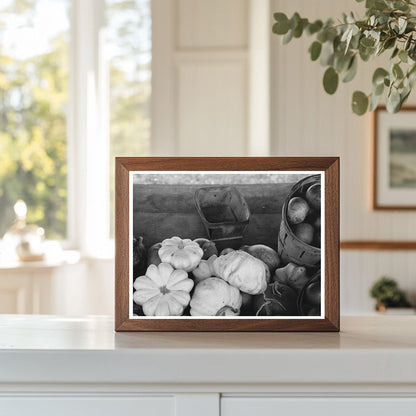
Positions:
(163, 211)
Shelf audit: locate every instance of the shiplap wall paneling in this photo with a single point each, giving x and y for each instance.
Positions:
(212, 108)
(212, 24)
(360, 269)
(212, 80)
(305, 121)
(202, 108)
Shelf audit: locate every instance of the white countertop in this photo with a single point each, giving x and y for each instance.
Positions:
(52, 349)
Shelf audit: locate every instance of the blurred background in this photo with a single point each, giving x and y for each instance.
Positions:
(83, 81)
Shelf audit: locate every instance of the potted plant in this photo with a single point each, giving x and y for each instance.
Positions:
(388, 295)
(389, 27)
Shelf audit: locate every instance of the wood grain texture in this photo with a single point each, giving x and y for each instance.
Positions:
(330, 165)
(172, 207)
(376, 205)
(378, 245)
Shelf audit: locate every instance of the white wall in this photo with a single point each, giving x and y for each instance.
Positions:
(203, 84)
(308, 122)
(203, 104)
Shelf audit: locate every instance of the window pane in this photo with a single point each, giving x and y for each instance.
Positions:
(129, 46)
(33, 100)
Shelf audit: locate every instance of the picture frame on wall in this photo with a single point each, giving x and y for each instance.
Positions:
(227, 244)
(394, 159)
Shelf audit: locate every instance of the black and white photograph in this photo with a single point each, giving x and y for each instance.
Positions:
(226, 244)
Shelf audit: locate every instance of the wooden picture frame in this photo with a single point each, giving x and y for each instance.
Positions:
(127, 167)
(388, 194)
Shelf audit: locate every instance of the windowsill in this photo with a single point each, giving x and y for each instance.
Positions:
(64, 257)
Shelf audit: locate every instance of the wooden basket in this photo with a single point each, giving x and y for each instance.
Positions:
(291, 248)
(223, 211)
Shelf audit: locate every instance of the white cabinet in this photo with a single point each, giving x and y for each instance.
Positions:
(79, 366)
(88, 406)
(271, 406)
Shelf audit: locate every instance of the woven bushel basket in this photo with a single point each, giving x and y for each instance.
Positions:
(291, 248)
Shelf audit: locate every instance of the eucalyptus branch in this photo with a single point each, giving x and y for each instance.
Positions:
(389, 25)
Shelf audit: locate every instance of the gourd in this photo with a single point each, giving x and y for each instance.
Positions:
(277, 300)
(264, 253)
(292, 275)
(204, 269)
(153, 255)
(208, 247)
(242, 271)
(215, 297)
(181, 254)
(226, 251)
(139, 257)
(163, 291)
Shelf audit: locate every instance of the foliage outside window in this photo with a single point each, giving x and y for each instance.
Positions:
(33, 101)
(34, 86)
(129, 46)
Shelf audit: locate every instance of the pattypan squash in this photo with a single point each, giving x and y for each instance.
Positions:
(242, 271)
(163, 291)
(204, 269)
(181, 254)
(215, 297)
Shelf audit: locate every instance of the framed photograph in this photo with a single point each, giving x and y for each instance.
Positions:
(227, 244)
(394, 178)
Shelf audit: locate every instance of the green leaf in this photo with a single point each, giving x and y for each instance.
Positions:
(400, 5)
(376, 4)
(402, 22)
(403, 56)
(403, 96)
(288, 37)
(351, 71)
(314, 27)
(393, 101)
(322, 36)
(330, 80)
(367, 42)
(341, 61)
(374, 101)
(389, 43)
(397, 71)
(327, 53)
(294, 20)
(315, 50)
(359, 103)
(378, 89)
(379, 75)
(408, 42)
(298, 30)
(281, 27)
(395, 52)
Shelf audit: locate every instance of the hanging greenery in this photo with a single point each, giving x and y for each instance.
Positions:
(389, 27)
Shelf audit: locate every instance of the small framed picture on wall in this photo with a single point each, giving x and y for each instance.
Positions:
(394, 150)
(227, 244)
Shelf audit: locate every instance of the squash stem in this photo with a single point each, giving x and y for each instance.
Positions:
(222, 311)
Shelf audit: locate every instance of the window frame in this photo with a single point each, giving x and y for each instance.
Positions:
(87, 133)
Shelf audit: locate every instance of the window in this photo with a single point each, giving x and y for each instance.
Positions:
(33, 98)
(129, 46)
(75, 87)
